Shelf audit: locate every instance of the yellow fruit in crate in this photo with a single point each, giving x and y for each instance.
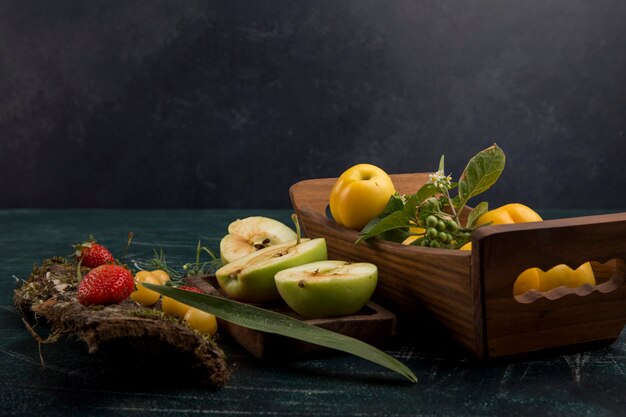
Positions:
(509, 214)
(411, 239)
(360, 194)
(563, 275)
(527, 281)
(535, 278)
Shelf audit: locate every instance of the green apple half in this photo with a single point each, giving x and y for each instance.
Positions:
(251, 234)
(251, 278)
(327, 288)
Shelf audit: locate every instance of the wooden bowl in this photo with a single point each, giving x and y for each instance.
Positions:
(470, 294)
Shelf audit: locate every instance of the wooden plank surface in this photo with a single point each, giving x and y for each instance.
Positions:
(75, 383)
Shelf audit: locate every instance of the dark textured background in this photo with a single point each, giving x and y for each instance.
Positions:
(225, 104)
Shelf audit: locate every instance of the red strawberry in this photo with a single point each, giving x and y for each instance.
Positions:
(192, 289)
(93, 254)
(106, 284)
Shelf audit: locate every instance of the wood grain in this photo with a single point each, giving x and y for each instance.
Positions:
(412, 279)
(562, 316)
(75, 383)
(373, 324)
(471, 293)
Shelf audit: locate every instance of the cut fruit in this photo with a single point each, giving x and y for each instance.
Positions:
(252, 234)
(251, 278)
(327, 288)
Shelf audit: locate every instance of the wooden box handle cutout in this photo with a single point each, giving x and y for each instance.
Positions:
(501, 253)
(609, 277)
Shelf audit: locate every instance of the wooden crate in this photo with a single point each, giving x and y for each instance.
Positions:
(470, 294)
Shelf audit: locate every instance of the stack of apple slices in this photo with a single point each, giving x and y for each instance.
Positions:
(251, 278)
(275, 264)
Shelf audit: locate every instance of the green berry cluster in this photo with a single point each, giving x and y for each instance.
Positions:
(440, 233)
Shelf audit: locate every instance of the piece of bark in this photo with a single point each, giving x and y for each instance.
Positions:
(133, 333)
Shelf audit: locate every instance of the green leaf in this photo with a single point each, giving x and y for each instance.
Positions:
(268, 321)
(395, 235)
(425, 192)
(441, 167)
(410, 207)
(481, 172)
(476, 212)
(396, 220)
(395, 203)
(460, 241)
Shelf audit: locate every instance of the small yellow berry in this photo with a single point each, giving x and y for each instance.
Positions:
(173, 307)
(201, 321)
(143, 295)
(161, 275)
(142, 275)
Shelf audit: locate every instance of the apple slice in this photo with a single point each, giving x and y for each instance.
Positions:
(251, 234)
(251, 278)
(327, 288)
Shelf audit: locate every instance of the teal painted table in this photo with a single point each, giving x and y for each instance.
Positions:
(451, 383)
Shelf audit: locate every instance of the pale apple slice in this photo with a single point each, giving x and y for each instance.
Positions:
(327, 288)
(251, 278)
(248, 235)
